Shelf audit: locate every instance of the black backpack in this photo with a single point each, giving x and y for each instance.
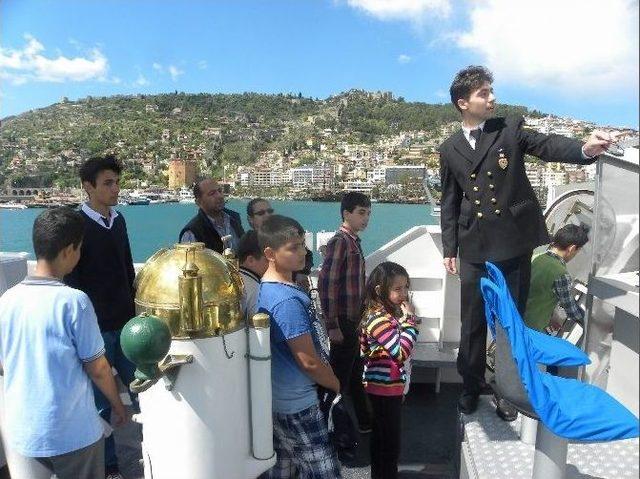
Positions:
(342, 430)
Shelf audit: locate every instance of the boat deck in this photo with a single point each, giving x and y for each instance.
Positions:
(429, 449)
(492, 450)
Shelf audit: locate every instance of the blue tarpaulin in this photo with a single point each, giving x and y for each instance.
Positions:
(567, 407)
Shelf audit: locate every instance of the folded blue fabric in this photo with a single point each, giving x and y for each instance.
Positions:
(544, 349)
(567, 407)
(553, 351)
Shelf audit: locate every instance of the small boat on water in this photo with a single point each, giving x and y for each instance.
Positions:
(185, 195)
(11, 205)
(44, 204)
(138, 202)
(133, 201)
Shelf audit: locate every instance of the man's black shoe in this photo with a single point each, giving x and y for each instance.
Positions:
(468, 403)
(505, 411)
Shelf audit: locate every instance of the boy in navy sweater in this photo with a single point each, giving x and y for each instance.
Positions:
(105, 273)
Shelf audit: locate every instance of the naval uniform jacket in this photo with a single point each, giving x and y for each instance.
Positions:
(489, 211)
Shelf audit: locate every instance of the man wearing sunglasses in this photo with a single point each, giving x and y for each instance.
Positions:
(258, 210)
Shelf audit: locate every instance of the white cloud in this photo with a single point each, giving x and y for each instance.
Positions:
(581, 46)
(412, 10)
(157, 67)
(442, 94)
(203, 65)
(30, 64)
(404, 58)
(141, 80)
(175, 72)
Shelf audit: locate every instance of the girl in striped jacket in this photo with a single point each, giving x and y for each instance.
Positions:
(387, 336)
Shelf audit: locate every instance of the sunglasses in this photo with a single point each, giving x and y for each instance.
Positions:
(263, 212)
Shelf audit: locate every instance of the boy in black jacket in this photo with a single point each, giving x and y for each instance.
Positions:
(105, 273)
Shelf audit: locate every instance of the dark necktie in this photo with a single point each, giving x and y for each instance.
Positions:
(476, 135)
(105, 221)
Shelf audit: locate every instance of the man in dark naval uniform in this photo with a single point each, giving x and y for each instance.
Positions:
(489, 211)
(213, 221)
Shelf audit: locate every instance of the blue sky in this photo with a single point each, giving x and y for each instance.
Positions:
(566, 57)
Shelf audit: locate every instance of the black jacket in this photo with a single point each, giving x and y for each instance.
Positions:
(201, 227)
(489, 211)
(105, 272)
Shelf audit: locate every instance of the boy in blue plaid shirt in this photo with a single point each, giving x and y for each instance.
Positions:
(300, 435)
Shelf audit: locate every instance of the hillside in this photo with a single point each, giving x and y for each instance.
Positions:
(43, 147)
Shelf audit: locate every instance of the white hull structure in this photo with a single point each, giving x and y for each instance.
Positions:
(201, 429)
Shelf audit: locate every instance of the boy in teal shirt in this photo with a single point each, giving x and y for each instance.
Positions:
(551, 283)
(51, 351)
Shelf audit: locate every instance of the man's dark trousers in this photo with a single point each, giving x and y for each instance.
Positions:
(473, 340)
(347, 365)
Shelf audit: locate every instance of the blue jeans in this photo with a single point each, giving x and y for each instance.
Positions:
(126, 369)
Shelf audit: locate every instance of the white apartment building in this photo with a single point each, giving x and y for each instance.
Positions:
(317, 177)
(244, 178)
(359, 186)
(266, 178)
(377, 175)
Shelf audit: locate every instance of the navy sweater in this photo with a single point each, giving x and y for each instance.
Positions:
(105, 272)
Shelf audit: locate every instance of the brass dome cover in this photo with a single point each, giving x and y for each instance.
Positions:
(194, 290)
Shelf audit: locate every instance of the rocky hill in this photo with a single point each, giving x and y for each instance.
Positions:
(43, 147)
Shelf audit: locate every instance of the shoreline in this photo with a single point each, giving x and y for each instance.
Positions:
(13, 205)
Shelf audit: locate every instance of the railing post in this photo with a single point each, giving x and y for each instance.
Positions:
(550, 458)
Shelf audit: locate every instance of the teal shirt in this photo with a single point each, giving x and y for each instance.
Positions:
(48, 331)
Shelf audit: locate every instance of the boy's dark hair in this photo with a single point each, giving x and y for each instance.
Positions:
(249, 246)
(54, 230)
(467, 81)
(277, 231)
(570, 235)
(382, 276)
(353, 199)
(93, 166)
(252, 203)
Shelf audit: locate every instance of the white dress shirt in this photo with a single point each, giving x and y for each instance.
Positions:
(97, 217)
(466, 130)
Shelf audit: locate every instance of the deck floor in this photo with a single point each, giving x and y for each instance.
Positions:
(428, 441)
(496, 452)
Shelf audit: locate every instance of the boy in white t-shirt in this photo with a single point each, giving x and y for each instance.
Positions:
(253, 265)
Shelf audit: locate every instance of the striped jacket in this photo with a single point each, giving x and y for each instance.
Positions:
(385, 344)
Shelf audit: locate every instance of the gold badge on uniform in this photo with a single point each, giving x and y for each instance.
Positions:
(503, 161)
